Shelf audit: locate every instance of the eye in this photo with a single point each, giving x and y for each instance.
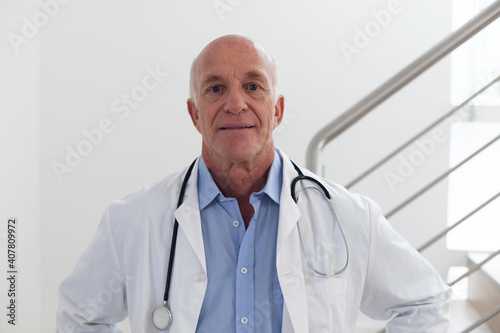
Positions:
(253, 87)
(215, 89)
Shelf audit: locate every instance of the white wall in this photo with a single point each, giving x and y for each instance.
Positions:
(396, 121)
(92, 52)
(20, 177)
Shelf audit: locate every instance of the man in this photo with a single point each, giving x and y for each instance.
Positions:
(240, 264)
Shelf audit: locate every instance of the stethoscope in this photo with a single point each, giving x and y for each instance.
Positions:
(162, 316)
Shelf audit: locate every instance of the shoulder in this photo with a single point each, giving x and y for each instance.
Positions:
(358, 203)
(343, 199)
(357, 212)
(149, 199)
(142, 220)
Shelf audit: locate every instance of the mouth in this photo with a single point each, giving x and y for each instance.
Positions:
(236, 127)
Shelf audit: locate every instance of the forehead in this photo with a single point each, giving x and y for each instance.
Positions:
(237, 59)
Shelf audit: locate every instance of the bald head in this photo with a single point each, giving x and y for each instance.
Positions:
(224, 46)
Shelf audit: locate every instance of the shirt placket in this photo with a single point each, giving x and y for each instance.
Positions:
(245, 254)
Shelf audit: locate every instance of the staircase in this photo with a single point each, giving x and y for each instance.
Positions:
(479, 311)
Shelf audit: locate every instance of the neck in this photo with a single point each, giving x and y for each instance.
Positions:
(239, 179)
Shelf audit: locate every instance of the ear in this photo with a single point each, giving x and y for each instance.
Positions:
(193, 113)
(279, 111)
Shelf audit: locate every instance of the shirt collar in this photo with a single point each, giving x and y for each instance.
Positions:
(274, 179)
(208, 190)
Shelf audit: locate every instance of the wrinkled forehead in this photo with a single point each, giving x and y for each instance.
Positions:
(233, 57)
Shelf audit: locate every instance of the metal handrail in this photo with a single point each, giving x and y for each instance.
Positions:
(393, 85)
(438, 179)
(398, 81)
(484, 319)
(421, 133)
(474, 268)
(456, 224)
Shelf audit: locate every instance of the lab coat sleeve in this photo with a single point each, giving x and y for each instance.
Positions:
(401, 284)
(93, 297)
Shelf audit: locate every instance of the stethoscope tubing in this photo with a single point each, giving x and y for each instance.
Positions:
(300, 177)
(174, 235)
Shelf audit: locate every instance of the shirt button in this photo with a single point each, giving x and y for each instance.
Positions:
(244, 320)
(236, 224)
(199, 277)
(243, 270)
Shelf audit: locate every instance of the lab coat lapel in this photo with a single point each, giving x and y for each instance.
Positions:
(289, 258)
(188, 297)
(188, 216)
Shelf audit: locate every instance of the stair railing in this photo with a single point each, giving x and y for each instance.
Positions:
(397, 82)
(389, 88)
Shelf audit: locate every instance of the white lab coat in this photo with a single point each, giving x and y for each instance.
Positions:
(123, 271)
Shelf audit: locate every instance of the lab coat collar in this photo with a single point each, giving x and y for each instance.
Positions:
(188, 216)
(288, 207)
(190, 237)
(289, 257)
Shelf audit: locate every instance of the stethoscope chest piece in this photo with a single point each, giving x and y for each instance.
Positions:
(162, 318)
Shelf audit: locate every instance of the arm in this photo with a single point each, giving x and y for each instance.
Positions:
(93, 297)
(400, 283)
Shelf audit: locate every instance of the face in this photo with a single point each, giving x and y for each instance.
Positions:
(236, 109)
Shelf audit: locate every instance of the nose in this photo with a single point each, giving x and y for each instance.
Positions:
(235, 101)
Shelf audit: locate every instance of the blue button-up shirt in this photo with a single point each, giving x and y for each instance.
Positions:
(243, 293)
